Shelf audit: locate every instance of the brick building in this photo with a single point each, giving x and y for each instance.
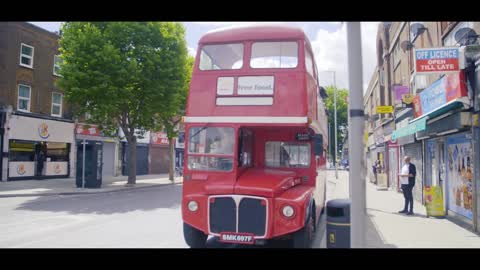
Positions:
(38, 138)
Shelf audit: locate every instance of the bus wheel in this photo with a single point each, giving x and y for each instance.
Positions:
(194, 238)
(304, 237)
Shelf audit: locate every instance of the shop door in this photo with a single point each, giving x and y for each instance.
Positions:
(159, 160)
(415, 152)
(393, 172)
(40, 158)
(442, 170)
(142, 160)
(108, 159)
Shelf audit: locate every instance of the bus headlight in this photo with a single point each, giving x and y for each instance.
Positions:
(192, 206)
(288, 211)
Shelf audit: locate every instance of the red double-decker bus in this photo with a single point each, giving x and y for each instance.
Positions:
(256, 130)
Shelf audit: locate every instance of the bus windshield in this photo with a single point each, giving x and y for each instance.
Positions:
(287, 155)
(211, 148)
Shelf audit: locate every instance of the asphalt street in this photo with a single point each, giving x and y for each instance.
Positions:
(144, 218)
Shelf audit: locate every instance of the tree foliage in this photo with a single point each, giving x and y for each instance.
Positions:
(124, 74)
(342, 116)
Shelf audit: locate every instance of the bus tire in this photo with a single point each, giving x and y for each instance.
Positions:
(193, 237)
(304, 237)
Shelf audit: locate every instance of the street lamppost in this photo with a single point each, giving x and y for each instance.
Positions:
(335, 121)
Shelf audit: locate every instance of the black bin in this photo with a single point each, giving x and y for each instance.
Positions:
(93, 164)
(338, 223)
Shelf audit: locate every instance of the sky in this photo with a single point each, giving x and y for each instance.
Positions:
(328, 39)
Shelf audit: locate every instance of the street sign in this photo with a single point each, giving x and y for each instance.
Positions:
(384, 109)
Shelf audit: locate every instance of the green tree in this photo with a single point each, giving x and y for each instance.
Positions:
(342, 117)
(123, 74)
(169, 119)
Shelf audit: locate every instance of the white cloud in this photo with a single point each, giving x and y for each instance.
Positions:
(330, 49)
(192, 51)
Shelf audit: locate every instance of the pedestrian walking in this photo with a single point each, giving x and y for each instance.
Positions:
(407, 180)
(375, 167)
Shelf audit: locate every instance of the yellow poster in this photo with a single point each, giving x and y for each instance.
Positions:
(434, 201)
(384, 109)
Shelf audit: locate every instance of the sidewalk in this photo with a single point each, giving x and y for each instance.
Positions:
(386, 228)
(67, 186)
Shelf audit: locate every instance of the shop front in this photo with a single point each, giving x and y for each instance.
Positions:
(39, 148)
(110, 146)
(447, 138)
(159, 153)
(142, 159)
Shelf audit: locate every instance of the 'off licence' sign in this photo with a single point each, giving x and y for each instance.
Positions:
(437, 60)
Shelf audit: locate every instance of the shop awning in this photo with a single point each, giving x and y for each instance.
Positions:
(454, 104)
(412, 128)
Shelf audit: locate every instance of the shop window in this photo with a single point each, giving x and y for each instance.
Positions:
(57, 152)
(21, 151)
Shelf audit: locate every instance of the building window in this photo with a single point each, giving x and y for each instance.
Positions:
(57, 104)
(56, 64)
(26, 55)
(24, 93)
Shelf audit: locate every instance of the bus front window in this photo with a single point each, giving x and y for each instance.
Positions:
(210, 148)
(287, 155)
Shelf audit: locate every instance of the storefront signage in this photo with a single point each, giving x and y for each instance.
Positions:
(444, 90)
(91, 130)
(437, 60)
(408, 98)
(410, 129)
(384, 109)
(400, 90)
(34, 129)
(434, 201)
(255, 85)
(43, 130)
(159, 138)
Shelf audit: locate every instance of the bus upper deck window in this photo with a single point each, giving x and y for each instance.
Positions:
(222, 56)
(274, 55)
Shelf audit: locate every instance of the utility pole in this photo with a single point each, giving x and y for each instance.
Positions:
(335, 115)
(335, 121)
(356, 126)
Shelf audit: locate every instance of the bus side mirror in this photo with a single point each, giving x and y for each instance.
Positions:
(318, 144)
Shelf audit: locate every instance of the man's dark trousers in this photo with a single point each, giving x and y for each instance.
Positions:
(407, 193)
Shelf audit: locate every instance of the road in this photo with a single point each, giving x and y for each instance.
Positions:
(144, 218)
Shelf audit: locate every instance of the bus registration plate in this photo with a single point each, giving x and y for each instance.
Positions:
(237, 238)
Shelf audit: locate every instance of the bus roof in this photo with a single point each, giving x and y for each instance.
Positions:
(233, 34)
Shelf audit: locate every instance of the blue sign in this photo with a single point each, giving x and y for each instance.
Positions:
(433, 97)
(440, 53)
